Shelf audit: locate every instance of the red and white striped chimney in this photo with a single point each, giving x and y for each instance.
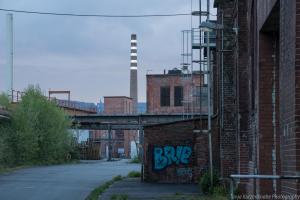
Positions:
(133, 72)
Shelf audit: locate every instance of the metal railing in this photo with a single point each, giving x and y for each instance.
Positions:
(233, 177)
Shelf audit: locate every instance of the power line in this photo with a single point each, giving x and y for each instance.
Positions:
(94, 15)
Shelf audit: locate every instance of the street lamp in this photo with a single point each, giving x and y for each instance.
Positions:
(208, 26)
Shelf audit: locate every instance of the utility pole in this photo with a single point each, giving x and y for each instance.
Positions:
(9, 56)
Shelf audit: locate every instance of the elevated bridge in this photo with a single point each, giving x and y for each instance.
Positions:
(127, 122)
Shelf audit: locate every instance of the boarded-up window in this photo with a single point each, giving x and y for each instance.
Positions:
(178, 95)
(165, 96)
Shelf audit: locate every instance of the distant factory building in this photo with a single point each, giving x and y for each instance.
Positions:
(176, 92)
(124, 142)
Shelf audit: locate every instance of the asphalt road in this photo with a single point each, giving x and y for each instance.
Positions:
(62, 182)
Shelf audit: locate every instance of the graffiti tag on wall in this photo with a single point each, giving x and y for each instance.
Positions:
(169, 155)
(186, 172)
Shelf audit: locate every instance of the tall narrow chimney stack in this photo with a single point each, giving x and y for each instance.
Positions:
(9, 54)
(133, 72)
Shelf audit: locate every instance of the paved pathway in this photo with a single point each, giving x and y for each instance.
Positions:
(133, 189)
(61, 182)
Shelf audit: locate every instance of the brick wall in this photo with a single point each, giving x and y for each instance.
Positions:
(289, 92)
(184, 167)
(228, 109)
(116, 105)
(155, 82)
(267, 112)
(253, 88)
(242, 91)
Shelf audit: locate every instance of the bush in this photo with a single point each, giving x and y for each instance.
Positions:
(117, 178)
(220, 190)
(205, 183)
(37, 132)
(134, 174)
(119, 197)
(136, 159)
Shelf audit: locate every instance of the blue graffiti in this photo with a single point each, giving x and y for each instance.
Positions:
(168, 155)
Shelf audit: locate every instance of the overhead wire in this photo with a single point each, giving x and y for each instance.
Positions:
(94, 15)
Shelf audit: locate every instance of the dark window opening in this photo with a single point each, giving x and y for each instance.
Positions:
(178, 95)
(165, 96)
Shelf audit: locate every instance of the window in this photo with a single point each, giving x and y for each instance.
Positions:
(165, 96)
(178, 95)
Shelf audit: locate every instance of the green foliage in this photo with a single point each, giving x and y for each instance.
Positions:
(205, 183)
(119, 197)
(37, 134)
(134, 174)
(136, 159)
(94, 195)
(220, 191)
(4, 101)
(117, 178)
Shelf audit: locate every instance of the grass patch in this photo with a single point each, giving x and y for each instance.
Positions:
(94, 195)
(5, 169)
(119, 197)
(12, 169)
(136, 159)
(134, 174)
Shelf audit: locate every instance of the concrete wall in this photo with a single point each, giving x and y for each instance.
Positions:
(264, 9)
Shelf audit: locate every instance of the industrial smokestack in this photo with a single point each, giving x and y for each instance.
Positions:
(133, 72)
(9, 55)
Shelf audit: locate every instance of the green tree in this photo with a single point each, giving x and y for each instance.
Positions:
(38, 131)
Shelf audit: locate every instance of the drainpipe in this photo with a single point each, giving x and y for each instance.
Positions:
(237, 114)
(209, 97)
(274, 151)
(222, 82)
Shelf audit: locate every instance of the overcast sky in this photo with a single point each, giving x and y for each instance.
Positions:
(91, 56)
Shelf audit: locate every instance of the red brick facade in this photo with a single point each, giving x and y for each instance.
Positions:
(187, 81)
(118, 105)
(263, 67)
(182, 166)
(122, 139)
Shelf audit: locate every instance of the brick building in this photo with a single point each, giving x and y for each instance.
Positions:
(124, 142)
(174, 153)
(258, 101)
(175, 92)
